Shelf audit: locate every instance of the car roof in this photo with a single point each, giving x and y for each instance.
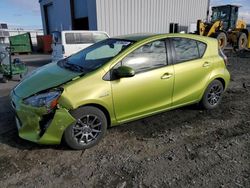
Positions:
(136, 36)
(141, 36)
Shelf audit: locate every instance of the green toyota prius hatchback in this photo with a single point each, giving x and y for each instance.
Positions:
(115, 81)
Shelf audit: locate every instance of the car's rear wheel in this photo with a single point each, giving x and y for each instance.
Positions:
(213, 94)
(88, 130)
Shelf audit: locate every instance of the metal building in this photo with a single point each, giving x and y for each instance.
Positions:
(119, 17)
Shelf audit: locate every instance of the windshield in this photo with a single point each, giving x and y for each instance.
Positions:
(95, 56)
(220, 13)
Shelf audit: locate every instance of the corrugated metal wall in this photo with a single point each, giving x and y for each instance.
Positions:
(119, 17)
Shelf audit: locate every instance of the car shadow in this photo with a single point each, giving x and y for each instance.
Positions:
(159, 124)
(173, 121)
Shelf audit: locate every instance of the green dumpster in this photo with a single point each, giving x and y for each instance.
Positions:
(21, 43)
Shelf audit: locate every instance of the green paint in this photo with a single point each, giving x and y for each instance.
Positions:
(125, 99)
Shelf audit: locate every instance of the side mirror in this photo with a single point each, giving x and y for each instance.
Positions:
(124, 71)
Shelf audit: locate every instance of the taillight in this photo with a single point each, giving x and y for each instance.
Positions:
(224, 57)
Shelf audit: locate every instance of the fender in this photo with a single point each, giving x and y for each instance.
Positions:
(219, 74)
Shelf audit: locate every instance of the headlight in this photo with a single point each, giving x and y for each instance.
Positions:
(48, 100)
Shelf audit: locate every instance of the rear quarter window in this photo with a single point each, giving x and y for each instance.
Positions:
(201, 47)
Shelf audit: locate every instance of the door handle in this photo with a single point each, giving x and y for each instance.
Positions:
(206, 64)
(166, 76)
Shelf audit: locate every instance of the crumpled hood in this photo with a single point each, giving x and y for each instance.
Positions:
(48, 76)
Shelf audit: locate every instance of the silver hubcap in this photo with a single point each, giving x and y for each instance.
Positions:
(86, 129)
(214, 95)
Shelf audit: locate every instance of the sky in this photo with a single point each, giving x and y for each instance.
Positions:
(21, 14)
(26, 13)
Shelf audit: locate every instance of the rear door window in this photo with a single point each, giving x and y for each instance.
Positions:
(188, 49)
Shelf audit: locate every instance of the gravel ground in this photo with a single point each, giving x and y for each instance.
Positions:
(187, 147)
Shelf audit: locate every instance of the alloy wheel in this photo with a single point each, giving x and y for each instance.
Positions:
(86, 129)
(214, 94)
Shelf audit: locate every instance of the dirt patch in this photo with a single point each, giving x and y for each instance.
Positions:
(187, 147)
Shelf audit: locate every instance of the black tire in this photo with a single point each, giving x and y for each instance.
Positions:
(242, 41)
(212, 96)
(222, 39)
(91, 123)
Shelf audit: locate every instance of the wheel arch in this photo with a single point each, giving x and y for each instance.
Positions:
(102, 108)
(220, 78)
(222, 81)
(211, 80)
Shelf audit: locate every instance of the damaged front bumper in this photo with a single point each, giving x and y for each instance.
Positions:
(37, 125)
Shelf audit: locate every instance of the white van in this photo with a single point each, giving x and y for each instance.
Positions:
(66, 43)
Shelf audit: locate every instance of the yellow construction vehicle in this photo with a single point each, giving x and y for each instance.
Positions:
(226, 27)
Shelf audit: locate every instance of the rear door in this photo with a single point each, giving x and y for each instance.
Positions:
(192, 67)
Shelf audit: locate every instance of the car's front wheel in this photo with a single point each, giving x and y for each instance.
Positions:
(212, 96)
(88, 130)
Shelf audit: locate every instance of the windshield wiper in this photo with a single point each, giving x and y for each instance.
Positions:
(74, 67)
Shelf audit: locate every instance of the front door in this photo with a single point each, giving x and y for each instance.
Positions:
(150, 90)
